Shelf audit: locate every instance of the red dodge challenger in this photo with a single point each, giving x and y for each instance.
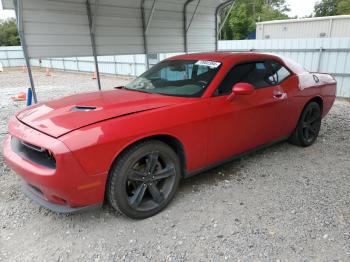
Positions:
(132, 145)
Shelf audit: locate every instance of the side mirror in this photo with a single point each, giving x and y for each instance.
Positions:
(241, 89)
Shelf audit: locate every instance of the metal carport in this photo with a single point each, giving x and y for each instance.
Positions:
(50, 28)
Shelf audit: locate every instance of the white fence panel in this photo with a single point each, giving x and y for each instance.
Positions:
(11, 56)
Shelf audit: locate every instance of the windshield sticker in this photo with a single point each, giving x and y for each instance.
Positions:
(210, 64)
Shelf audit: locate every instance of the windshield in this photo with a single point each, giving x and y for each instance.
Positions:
(188, 78)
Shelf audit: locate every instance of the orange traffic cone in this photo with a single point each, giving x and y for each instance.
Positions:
(47, 71)
(20, 97)
(24, 68)
(94, 76)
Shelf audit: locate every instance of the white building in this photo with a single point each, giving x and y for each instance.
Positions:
(318, 27)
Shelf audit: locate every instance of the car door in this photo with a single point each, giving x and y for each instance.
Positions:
(248, 121)
(285, 84)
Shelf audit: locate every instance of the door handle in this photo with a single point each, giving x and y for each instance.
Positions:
(280, 95)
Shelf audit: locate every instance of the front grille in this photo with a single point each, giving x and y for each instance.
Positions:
(33, 153)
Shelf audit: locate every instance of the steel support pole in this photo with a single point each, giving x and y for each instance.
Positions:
(7, 58)
(150, 16)
(226, 17)
(19, 12)
(319, 63)
(217, 28)
(184, 12)
(187, 27)
(145, 42)
(92, 23)
(192, 17)
(330, 27)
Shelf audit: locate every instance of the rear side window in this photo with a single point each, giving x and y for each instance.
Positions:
(255, 73)
(278, 73)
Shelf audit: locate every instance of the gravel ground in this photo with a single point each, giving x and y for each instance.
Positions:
(282, 203)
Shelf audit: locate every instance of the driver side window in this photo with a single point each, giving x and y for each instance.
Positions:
(255, 73)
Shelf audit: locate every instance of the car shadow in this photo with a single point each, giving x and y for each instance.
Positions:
(230, 171)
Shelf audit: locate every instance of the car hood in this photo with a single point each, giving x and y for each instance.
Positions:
(64, 115)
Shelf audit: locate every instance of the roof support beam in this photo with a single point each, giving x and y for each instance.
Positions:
(19, 14)
(193, 14)
(226, 17)
(184, 13)
(150, 16)
(217, 28)
(145, 27)
(186, 26)
(92, 27)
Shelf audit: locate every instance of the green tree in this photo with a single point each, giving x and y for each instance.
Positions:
(246, 13)
(326, 8)
(343, 7)
(240, 22)
(332, 7)
(8, 33)
(268, 13)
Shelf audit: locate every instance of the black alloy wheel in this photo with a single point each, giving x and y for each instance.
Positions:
(309, 126)
(144, 179)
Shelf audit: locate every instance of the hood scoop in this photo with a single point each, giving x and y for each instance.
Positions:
(83, 108)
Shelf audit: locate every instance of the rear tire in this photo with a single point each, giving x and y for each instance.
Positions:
(306, 132)
(144, 179)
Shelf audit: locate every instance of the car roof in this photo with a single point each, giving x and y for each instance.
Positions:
(233, 57)
(223, 56)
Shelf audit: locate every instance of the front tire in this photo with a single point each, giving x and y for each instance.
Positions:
(144, 179)
(308, 128)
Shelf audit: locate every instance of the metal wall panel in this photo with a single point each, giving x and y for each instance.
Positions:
(201, 35)
(324, 27)
(166, 26)
(61, 28)
(118, 27)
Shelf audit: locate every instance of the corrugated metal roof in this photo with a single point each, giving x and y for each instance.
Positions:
(61, 28)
